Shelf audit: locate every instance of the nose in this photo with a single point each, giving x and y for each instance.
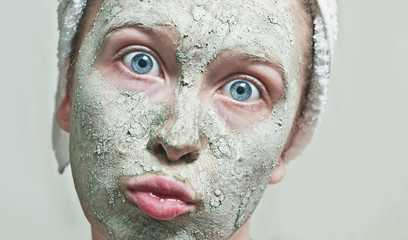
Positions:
(178, 138)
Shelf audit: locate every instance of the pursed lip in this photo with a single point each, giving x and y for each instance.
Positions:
(160, 197)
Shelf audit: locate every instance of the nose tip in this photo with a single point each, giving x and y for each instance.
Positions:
(178, 137)
(174, 153)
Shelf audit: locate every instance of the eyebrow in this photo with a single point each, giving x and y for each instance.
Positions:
(276, 64)
(244, 56)
(116, 28)
(139, 26)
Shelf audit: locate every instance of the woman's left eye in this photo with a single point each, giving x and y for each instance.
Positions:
(142, 63)
(241, 90)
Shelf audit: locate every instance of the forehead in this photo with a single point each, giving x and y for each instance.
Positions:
(206, 28)
(177, 11)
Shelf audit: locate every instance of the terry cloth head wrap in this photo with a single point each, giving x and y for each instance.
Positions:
(325, 32)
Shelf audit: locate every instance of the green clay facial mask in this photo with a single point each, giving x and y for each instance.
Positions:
(154, 77)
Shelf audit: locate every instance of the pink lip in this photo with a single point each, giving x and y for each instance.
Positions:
(160, 197)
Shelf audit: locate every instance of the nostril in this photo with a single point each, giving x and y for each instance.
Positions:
(190, 157)
(172, 154)
(159, 149)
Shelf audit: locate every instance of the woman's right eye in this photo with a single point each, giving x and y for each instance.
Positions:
(142, 63)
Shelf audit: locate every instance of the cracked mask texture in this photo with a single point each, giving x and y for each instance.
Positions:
(111, 128)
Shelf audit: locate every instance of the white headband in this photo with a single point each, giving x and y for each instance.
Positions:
(325, 32)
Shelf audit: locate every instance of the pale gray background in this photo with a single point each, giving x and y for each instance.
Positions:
(351, 183)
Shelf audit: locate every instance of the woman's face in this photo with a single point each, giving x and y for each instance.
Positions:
(180, 111)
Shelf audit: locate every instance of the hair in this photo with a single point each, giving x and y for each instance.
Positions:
(303, 13)
(78, 39)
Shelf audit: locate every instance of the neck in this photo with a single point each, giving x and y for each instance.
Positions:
(241, 234)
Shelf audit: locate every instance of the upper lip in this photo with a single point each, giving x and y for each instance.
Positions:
(159, 185)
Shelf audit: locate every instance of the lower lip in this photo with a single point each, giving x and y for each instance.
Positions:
(160, 207)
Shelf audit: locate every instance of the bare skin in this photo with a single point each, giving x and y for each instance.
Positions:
(220, 102)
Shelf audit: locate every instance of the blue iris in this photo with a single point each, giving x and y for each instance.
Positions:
(142, 63)
(241, 90)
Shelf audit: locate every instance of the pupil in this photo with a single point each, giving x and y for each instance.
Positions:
(143, 62)
(240, 90)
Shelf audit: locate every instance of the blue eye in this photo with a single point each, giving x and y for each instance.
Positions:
(241, 90)
(142, 63)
